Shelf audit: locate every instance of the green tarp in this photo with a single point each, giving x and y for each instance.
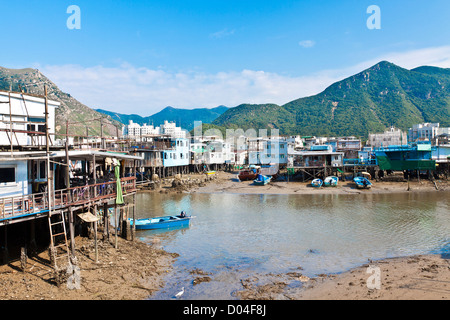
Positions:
(399, 165)
(119, 195)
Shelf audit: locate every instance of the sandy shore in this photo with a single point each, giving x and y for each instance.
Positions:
(136, 270)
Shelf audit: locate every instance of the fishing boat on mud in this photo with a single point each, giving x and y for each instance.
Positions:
(362, 183)
(248, 174)
(331, 181)
(317, 183)
(262, 180)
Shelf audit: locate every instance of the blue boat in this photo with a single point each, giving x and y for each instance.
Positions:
(317, 183)
(161, 222)
(262, 180)
(362, 183)
(331, 181)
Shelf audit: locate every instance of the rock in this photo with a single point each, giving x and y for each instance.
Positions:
(200, 280)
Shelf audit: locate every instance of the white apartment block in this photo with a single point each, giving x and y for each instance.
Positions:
(168, 128)
(171, 129)
(426, 132)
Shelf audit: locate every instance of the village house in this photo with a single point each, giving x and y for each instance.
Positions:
(42, 179)
(392, 136)
(22, 119)
(267, 151)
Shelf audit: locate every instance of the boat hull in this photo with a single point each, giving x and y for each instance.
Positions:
(247, 175)
(161, 222)
(362, 183)
(262, 180)
(331, 181)
(317, 183)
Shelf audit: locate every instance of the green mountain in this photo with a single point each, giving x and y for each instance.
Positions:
(182, 117)
(81, 118)
(371, 101)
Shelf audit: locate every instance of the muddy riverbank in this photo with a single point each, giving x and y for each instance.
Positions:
(133, 271)
(228, 182)
(424, 277)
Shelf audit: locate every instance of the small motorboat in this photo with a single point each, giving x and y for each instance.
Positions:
(161, 222)
(362, 183)
(317, 183)
(262, 180)
(245, 175)
(331, 181)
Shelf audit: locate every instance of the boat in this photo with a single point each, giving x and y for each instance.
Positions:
(262, 180)
(161, 222)
(249, 174)
(362, 183)
(317, 183)
(208, 173)
(331, 181)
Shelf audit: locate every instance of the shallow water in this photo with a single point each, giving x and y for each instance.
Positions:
(235, 236)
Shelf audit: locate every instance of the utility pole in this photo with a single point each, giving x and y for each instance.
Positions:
(103, 146)
(10, 120)
(47, 147)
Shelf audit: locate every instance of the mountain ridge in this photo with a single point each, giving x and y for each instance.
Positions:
(183, 117)
(372, 100)
(381, 96)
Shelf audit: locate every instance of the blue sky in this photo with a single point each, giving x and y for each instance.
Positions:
(140, 56)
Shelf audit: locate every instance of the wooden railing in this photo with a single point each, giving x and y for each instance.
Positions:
(13, 207)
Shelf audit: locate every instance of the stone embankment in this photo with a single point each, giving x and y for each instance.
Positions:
(178, 183)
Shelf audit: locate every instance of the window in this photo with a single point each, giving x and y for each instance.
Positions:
(41, 128)
(8, 174)
(42, 170)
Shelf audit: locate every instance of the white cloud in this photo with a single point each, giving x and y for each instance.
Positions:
(307, 43)
(222, 33)
(130, 89)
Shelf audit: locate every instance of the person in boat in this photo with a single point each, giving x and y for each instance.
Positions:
(183, 214)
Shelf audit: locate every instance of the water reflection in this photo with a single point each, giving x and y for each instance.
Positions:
(234, 235)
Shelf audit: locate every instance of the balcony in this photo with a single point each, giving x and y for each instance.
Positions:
(37, 203)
